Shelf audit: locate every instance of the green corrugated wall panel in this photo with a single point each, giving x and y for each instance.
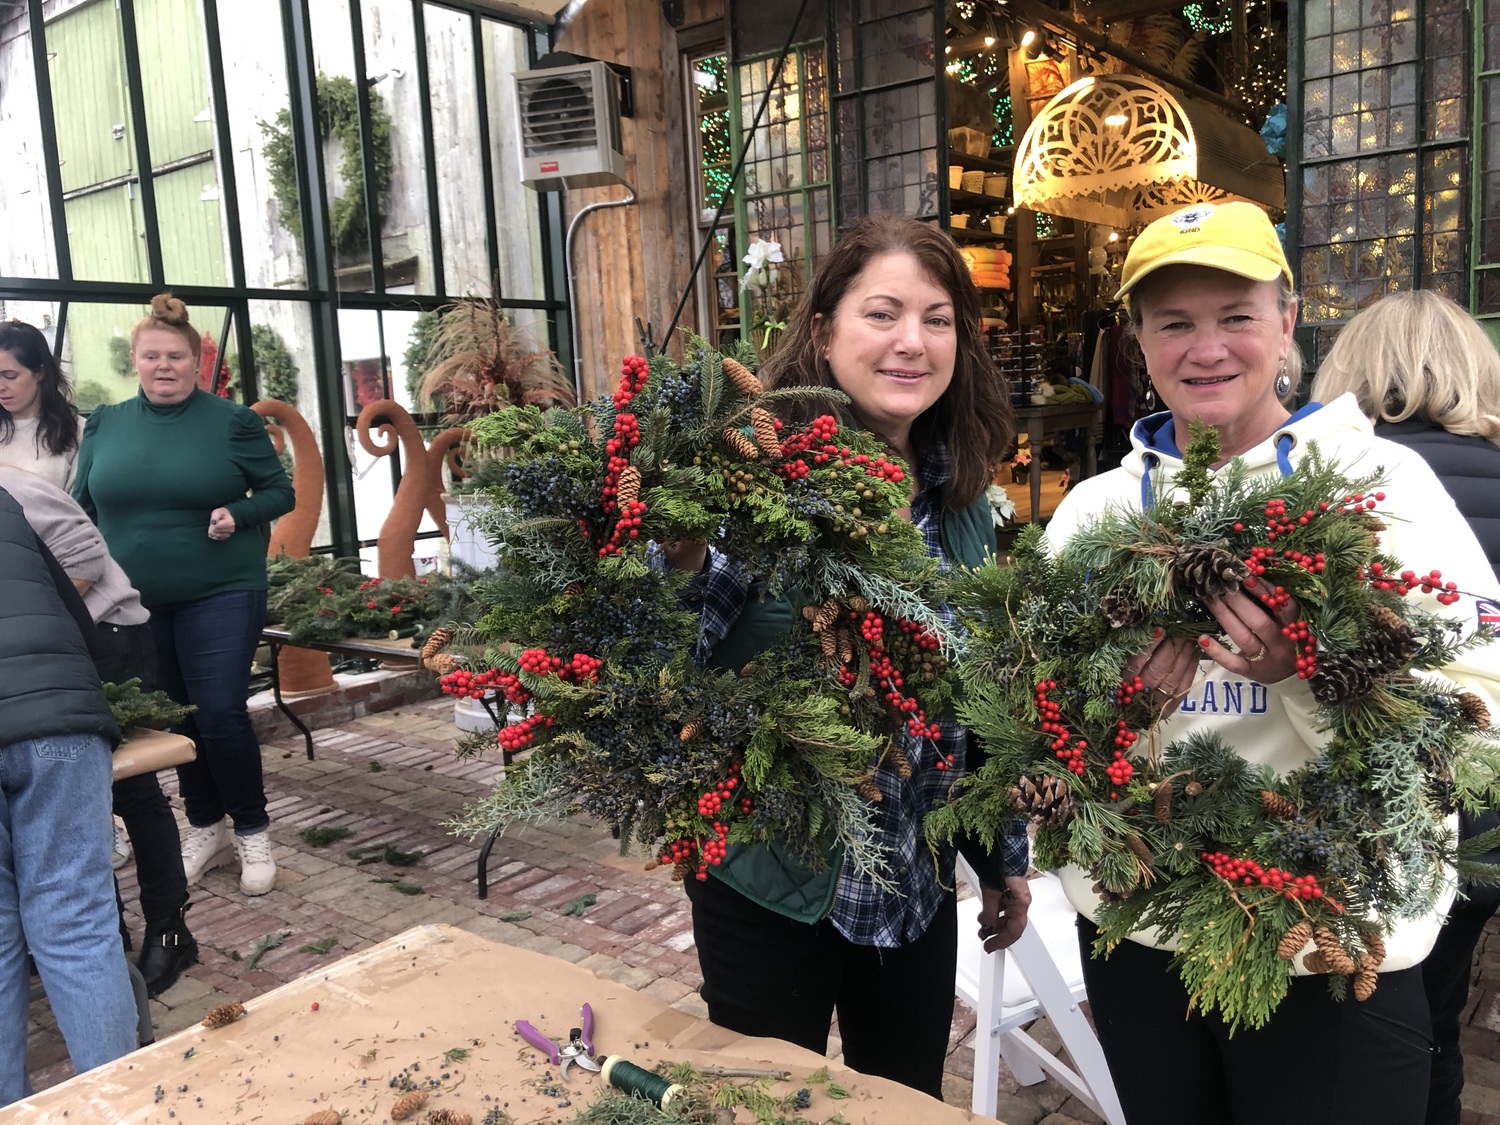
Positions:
(104, 234)
(88, 92)
(192, 239)
(170, 33)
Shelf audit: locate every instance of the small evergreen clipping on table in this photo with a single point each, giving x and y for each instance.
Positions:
(589, 636)
(1246, 867)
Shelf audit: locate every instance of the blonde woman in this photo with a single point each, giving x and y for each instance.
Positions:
(1426, 374)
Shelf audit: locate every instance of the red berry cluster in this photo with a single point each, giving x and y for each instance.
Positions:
(628, 526)
(1409, 580)
(1357, 500)
(709, 850)
(519, 735)
(817, 437)
(1248, 873)
(1120, 772)
(1307, 647)
(634, 371)
(1124, 695)
(1051, 715)
(1125, 738)
(582, 668)
(468, 685)
(1272, 597)
(793, 470)
(888, 677)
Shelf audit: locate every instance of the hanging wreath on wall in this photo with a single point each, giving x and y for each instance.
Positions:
(338, 119)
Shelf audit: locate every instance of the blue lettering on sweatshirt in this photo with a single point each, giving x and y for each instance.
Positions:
(1226, 697)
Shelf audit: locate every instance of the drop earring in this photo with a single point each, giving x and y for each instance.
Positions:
(1283, 385)
(1148, 400)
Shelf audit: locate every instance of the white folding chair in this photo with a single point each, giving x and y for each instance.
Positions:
(1049, 983)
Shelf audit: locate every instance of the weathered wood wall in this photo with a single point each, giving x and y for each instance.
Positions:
(634, 261)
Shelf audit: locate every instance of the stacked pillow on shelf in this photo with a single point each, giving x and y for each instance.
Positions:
(989, 266)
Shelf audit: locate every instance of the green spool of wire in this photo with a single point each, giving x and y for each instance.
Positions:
(625, 1075)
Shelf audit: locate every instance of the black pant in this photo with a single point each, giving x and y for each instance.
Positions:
(767, 975)
(1446, 975)
(126, 652)
(1347, 1063)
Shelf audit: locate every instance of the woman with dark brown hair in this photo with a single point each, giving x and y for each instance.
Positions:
(891, 320)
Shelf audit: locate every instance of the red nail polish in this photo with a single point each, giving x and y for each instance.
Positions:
(1203, 642)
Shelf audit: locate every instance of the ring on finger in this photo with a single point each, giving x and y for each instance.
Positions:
(1259, 656)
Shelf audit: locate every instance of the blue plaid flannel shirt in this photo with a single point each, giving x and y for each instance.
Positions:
(867, 914)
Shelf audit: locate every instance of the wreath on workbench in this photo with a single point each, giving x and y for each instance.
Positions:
(590, 637)
(1251, 870)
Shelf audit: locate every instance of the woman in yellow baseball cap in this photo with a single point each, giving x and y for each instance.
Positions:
(1210, 300)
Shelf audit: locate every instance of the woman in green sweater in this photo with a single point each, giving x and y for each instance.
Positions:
(184, 486)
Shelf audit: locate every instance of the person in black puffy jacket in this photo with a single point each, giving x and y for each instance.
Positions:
(1427, 375)
(57, 892)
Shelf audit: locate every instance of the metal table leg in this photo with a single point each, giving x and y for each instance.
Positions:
(281, 703)
(484, 863)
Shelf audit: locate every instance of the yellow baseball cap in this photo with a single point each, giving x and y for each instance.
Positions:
(1236, 237)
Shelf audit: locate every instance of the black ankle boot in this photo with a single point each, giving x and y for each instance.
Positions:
(165, 952)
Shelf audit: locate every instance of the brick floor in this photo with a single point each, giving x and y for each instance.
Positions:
(638, 931)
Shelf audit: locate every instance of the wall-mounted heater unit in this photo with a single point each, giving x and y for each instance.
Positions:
(569, 126)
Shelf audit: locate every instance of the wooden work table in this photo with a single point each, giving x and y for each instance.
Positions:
(336, 1038)
(1039, 421)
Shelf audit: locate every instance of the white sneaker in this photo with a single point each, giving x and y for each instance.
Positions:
(257, 868)
(121, 854)
(203, 849)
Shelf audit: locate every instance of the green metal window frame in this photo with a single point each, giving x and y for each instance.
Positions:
(320, 294)
(1479, 269)
(744, 198)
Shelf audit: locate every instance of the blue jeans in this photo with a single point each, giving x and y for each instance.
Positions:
(203, 653)
(57, 898)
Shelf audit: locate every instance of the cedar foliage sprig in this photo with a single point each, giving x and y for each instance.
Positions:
(587, 629)
(1190, 838)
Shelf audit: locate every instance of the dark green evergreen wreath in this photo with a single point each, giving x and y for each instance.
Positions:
(595, 639)
(135, 710)
(1245, 866)
(338, 118)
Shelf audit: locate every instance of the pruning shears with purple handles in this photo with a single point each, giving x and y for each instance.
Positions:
(578, 1049)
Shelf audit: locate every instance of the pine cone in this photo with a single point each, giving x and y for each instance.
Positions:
(1161, 801)
(1474, 710)
(408, 1104)
(1315, 962)
(1328, 945)
(1391, 644)
(1341, 678)
(1193, 788)
(830, 642)
(1048, 801)
(869, 790)
(743, 378)
(1277, 805)
(825, 615)
(1122, 610)
(858, 604)
(224, 1014)
(629, 486)
(442, 663)
(749, 670)
(1366, 978)
(573, 590)
(765, 430)
(742, 445)
(691, 730)
(324, 1117)
(846, 645)
(898, 760)
(1205, 571)
(449, 1117)
(437, 640)
(1142, 852)
(1375, 945)
(1294, 939)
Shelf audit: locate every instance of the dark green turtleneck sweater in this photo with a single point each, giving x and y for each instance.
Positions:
(150, 475)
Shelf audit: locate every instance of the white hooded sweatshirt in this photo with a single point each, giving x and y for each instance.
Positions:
(1274, 724)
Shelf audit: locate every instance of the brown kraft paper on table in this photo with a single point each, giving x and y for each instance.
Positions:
(408, 1001)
